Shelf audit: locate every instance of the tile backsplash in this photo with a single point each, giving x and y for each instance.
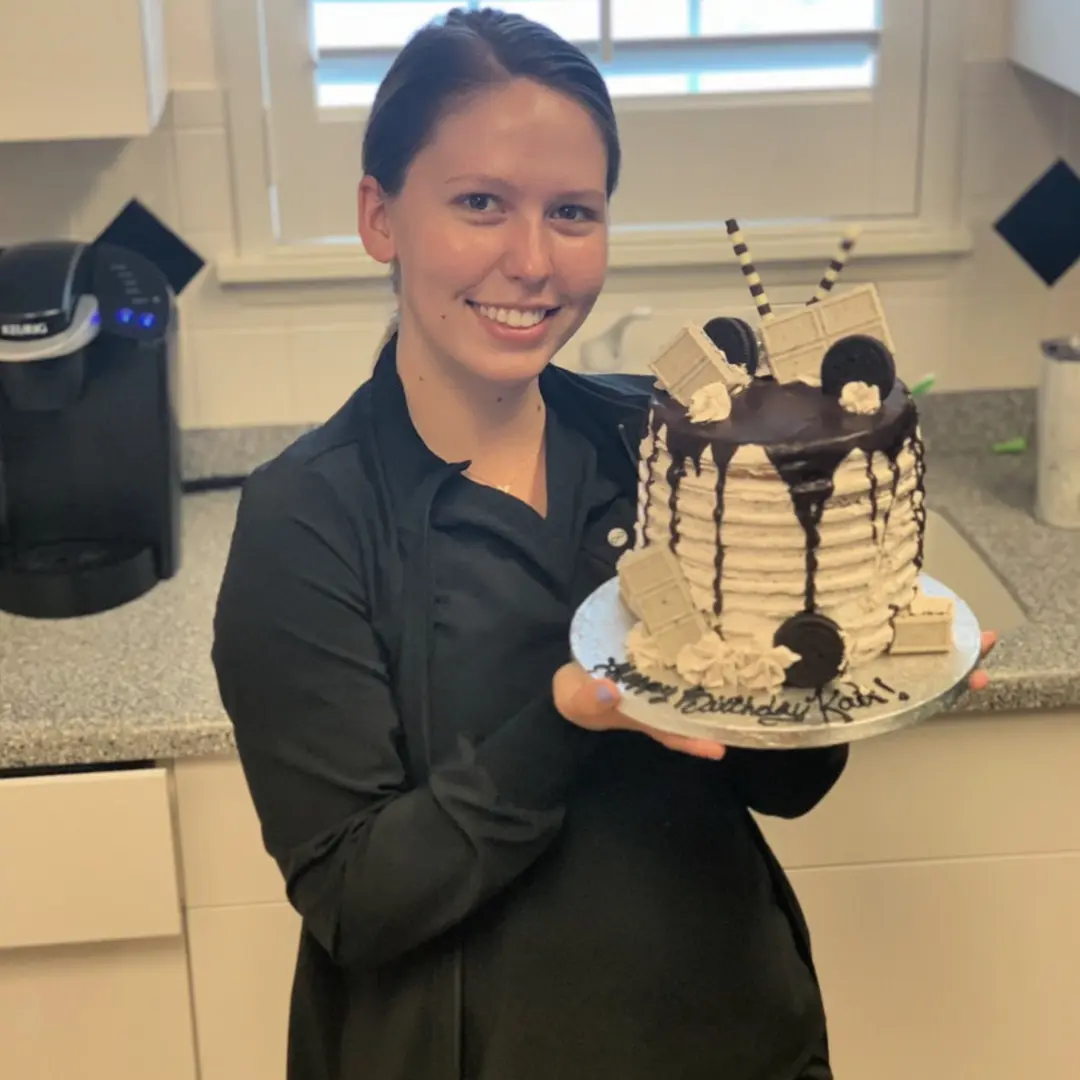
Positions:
(291, 354)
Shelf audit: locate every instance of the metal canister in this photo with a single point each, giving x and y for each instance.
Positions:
(1057, 486)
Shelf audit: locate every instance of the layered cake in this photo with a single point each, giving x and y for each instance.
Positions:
(781, 512)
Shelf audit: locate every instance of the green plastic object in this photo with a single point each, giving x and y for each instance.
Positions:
(923, 385)
(1011, 446)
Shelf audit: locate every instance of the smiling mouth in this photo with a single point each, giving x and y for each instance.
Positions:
(518, 318)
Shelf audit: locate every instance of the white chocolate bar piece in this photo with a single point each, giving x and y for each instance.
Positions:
(653, 588)
(930, 633)
(796, 342)
(690, 362)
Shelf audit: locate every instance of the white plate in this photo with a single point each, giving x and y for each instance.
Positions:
(878, 697)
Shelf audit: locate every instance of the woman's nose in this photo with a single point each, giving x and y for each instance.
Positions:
(528, 254)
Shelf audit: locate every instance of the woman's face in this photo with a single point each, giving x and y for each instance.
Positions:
(500, 231)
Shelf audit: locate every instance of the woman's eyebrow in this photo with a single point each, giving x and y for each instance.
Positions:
(480, 178)
(495, 181)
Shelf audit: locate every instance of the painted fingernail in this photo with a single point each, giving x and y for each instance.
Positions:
(605, 695)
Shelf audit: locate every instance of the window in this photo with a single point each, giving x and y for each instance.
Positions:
(651, 49)
(790, 112)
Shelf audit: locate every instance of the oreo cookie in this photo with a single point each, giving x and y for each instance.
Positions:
(736, 339)
(858, 358)
(820, 646)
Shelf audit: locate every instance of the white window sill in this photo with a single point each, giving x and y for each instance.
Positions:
(630, 249)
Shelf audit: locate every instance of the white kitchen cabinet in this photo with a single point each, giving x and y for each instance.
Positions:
(242, 933)
(76, 70)
(242, 963)
(87, 857)
(941, 881)
(93, 965)
(1045, 39)
(951, 969)
(974, 786)
(119, 1011)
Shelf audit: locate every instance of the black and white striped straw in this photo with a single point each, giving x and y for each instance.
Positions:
(836, 264)
(746, 263)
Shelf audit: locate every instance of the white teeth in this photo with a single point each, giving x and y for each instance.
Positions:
(512, 316)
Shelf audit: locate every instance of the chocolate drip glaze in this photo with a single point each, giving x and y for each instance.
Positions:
(810, 483)
(722, 457)
(871, 479)
(676, 471)
(805, 434)
(919, 505)
(894, 468)
(650, 461)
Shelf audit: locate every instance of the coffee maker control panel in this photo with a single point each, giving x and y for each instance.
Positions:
(132, 293)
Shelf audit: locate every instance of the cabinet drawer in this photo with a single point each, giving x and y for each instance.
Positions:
(115, 1011)
(87, 858)
(959, 786)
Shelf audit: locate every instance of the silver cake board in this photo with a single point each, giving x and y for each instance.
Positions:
(878, 697)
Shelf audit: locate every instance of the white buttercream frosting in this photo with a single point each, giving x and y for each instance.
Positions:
(710, 404)
(866, 559)
(642, 649)
(862, 398)
(709, 662)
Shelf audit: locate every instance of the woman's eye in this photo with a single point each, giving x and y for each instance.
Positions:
(575, 213)
(479, 202)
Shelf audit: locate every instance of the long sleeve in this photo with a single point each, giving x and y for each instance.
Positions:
(374, 867)
(784, 783)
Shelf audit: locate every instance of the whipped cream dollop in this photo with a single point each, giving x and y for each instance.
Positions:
(710, 404)
(862, 398)
(766, 670)
(713, 664)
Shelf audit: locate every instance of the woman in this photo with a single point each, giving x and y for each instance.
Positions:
(496, 882)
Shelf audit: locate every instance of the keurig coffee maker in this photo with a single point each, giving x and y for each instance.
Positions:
(89, 442)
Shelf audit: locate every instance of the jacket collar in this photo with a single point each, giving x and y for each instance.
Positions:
(610, 411)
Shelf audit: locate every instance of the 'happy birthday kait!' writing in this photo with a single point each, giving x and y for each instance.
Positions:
(838, 704)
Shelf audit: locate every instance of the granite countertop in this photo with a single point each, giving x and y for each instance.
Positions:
(137, 683)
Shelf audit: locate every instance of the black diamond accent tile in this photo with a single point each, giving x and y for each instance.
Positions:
(136, 228)
(1043, 225)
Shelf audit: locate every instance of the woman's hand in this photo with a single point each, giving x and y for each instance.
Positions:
(593, 704)
(979, 679)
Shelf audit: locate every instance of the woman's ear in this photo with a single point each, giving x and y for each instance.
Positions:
(373, 221)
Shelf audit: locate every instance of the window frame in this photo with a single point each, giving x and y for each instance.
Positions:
(936, 229)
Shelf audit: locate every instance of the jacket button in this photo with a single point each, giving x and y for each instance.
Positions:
(618, 538)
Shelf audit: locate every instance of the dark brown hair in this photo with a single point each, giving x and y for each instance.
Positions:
(459, 54)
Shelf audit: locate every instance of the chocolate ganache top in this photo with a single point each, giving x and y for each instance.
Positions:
(787, 419)
(806, 434)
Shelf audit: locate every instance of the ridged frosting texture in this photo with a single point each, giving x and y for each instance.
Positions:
(761, 534)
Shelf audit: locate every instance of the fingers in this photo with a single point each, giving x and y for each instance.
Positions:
(702, 748)
(583, 700)
(593, 704)
(980, 680)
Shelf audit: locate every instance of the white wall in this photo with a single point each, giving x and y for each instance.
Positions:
(292, 354)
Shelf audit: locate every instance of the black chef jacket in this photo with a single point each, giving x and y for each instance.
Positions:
(487, 891)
